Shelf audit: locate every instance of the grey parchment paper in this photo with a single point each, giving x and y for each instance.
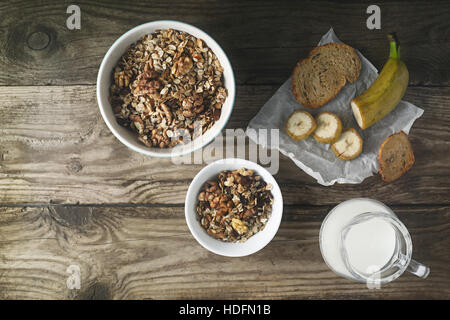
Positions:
(317, 159)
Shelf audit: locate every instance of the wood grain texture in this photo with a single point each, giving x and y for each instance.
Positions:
(55, 147)
(148, 253)
(72, 194)
(36, 47)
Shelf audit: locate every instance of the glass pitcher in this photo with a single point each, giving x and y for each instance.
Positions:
(363, 240)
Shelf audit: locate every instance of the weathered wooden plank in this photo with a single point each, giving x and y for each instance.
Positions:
(36, 48)
(54, 146)
(138, 252)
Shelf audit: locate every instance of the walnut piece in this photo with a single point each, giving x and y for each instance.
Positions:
(239, 225)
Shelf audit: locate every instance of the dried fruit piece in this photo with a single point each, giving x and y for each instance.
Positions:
(300, 125)
(349, 145)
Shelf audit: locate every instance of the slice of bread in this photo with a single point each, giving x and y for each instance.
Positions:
(395, 157)
(319, 78)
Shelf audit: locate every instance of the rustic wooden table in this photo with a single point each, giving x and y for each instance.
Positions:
(72, 194)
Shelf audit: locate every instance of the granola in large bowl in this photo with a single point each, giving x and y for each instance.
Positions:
(171, 86)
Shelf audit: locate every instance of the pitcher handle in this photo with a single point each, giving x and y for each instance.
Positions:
(413, 267)
(418, 269)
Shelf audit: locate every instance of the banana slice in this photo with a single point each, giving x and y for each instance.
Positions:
(300, 125)
(349, 145)
(329, 127)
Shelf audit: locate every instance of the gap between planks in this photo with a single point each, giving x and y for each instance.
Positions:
(181, 205)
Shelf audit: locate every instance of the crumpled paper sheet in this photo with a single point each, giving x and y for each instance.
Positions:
(317, 159)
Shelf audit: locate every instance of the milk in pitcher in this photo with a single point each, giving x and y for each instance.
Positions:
(369, 246)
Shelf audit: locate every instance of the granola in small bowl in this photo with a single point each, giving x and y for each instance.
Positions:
(235, 206)
(256, 207)
(165, 85)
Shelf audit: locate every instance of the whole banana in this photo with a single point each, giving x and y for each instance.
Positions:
(386, 92)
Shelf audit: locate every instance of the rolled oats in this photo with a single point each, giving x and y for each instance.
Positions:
(165, 82)
(235, 206)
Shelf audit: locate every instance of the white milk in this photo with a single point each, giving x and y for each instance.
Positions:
(368, 244)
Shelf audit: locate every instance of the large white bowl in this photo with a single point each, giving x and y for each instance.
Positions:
(231, 249)
(119, 47)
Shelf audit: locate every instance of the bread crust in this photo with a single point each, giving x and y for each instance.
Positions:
(302, 61)
(407, 165)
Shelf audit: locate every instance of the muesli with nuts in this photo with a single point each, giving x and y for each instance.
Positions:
(235, 206)
(164, 85)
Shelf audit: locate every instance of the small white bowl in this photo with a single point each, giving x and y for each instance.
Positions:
(232, 249)
(119, 47)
